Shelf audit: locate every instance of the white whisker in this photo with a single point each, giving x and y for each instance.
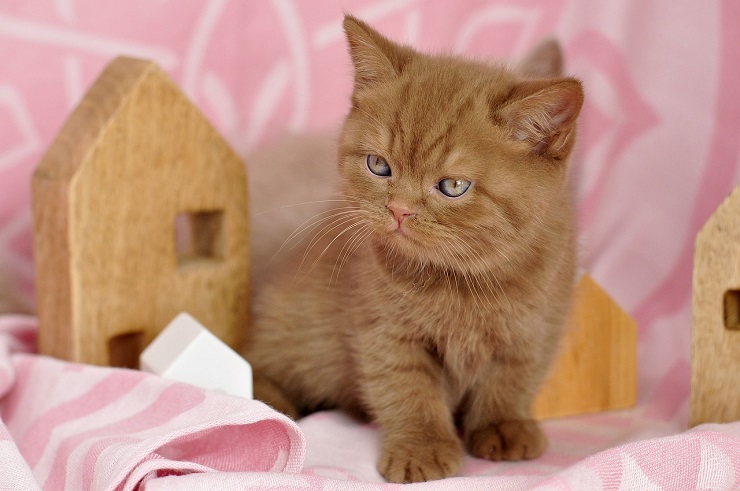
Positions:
(347, 229)
(303, 203)
(347, 250)
(309, 225)
(324, 232)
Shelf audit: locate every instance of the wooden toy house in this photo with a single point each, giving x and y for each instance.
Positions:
(715, 344)
(596, 369)
(140, 212)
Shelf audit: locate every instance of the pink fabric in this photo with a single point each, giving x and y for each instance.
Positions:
(69, 426)
(659, 150)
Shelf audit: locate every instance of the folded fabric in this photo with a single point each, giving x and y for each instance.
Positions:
(705, 458)
(620, 450)
(72, 426)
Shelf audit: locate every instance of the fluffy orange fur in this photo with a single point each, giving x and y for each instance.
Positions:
(421, 311)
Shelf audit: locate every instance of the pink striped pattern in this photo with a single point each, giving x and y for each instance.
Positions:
(97, 428)
(658, 151)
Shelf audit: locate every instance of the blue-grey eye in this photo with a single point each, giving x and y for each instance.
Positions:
(453, 187)
(378, 165)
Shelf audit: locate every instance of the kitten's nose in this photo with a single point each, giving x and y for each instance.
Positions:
(399, 212)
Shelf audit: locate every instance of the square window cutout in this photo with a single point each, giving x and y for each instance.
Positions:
(124, 349)
(199, 237)
(732, 309)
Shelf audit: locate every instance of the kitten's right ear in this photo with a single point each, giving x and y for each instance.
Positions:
(376, 59)
(543, 113)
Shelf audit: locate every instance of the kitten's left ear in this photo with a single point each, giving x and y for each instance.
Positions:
(543, 113)
(376, 58)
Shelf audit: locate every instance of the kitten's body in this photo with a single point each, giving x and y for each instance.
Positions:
(11, 299)
(429, 309)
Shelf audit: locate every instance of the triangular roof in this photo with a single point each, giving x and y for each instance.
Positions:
(90, 118)
(727, 210)
(596, 368)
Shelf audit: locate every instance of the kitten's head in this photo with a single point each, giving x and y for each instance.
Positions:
(454, 162)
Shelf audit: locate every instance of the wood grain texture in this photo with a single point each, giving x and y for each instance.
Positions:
(133, 155)
(715, 343)
(596, 369)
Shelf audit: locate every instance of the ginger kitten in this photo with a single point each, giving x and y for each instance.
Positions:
(434, 293)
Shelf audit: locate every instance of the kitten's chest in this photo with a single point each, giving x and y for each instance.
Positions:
(462, 335)
(461, 326)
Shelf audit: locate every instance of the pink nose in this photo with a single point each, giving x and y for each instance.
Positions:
(399, 212)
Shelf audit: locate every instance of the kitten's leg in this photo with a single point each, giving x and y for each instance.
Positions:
(403, 390)
(498, 424)
(270, 394)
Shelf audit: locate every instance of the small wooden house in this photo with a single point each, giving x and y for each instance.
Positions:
(596, 368)
(140, 212)
(715, 344)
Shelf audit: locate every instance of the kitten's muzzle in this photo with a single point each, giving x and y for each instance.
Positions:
(400, 213)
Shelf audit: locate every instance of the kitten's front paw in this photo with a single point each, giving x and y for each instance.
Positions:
(422, 460)
(509, 440)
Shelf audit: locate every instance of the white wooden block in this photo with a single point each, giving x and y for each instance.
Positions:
(185, 351)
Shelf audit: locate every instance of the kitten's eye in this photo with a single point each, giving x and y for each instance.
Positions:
(453, 187)
(378, 165)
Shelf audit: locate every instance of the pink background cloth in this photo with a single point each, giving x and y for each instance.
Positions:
(659, 150)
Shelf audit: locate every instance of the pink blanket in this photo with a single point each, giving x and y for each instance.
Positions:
(658, 151)
(70, 426)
